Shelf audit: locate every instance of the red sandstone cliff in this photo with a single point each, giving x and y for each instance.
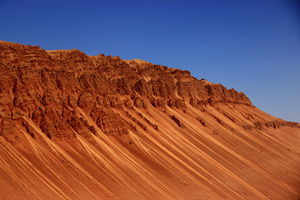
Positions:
(96, 127)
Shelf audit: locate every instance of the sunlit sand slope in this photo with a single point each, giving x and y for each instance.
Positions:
(94, 127)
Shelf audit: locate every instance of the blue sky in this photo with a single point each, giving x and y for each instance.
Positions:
(250, 45)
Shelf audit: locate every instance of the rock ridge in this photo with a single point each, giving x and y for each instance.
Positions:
(74, 126)
(45, 85)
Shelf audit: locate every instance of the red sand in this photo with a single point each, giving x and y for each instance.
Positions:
(134, 146)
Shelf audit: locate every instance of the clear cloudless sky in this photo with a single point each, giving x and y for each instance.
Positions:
(250, 45)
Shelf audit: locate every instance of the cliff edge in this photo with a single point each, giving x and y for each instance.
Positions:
(99, 127)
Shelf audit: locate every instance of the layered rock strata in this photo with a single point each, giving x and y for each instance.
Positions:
(77, 126)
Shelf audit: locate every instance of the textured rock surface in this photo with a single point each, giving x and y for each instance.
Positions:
(34, 78)
(77, 126)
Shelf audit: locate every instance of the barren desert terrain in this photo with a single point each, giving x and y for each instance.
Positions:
(74, 126)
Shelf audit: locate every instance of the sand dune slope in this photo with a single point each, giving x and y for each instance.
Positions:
(74, 126)
(193, 162)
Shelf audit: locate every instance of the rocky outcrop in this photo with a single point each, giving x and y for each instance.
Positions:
(48, 88)
(74, 126)
(177, 121)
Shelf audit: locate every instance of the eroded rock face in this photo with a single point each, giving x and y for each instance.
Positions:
(49, 88)
(74, 126)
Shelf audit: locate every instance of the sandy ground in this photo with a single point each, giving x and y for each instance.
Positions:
(215, 161)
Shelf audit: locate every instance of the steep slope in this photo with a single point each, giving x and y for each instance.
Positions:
(74, 126)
